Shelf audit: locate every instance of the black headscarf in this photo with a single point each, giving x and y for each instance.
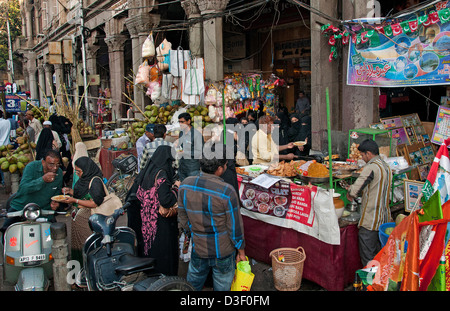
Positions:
(90, 170)
(161, 159)
(44, 143)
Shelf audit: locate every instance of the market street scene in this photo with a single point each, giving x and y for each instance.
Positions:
(218, 146)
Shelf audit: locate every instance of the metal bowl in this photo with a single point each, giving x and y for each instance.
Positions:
(314, 180)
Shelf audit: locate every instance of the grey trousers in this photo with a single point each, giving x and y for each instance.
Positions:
(369, 245)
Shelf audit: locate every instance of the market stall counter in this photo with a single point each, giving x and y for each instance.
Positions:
(107, 156)
(278, 213)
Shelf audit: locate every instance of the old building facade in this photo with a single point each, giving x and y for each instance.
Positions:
(231, 36)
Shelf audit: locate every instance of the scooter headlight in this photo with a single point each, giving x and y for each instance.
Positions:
(31, 211)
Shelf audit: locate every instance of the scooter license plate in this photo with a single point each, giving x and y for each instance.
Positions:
(32, 258)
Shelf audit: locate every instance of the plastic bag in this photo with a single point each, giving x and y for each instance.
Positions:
(243, 277)
(162, 53)
(148, 48)
(143, 74)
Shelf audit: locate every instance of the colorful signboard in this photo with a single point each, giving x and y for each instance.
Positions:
(411, 51)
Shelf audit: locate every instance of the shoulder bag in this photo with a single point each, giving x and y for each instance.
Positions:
(111, 202)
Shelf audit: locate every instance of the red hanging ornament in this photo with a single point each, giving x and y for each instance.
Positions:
(413, 25)
(396, 29)
(434, 17)
(332, 40)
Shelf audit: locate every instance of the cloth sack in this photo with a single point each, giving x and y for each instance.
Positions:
(171, 87)
(178, 61)
(111, 202)
(243, 277)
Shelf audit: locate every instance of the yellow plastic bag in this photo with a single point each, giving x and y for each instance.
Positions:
(243, 277)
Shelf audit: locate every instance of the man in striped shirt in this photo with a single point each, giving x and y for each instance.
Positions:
(374, 187)
(209, 209)
(159, 134)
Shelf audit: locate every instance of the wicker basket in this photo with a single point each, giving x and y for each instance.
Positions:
(106, 143)
(287, 274)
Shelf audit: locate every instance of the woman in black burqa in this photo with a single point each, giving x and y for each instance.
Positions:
(157, 235)
(44, 143)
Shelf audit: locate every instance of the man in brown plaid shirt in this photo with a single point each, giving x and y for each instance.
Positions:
(209, 208)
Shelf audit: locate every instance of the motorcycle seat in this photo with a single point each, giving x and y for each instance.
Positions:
(130, 264)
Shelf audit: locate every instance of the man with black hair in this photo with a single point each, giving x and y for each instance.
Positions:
(159, 134)
(190, 145)
(41, 180)
(209, 208)
(374, 187)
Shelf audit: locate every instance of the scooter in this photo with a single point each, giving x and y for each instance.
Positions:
(110, 262)
(27, 253)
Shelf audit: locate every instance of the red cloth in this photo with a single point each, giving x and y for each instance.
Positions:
(106, 157)
(331, 266)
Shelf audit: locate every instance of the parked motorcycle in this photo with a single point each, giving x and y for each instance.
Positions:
(27, 250)
(110, 261)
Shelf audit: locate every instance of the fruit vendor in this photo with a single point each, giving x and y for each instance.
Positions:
(41, 180)
(374, 187)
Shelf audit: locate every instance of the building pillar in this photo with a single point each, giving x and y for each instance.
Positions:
(360, 104)
(139, 27)
(48, 68)
(195, 29)
(324, 74)
(115, 44)
(42, 86)
(59, 83)
(212, 37)
(91, 66)
(31, 67)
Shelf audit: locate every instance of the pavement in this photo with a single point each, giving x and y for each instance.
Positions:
(263, 280)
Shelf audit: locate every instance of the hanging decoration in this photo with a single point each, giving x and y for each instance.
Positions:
(337, 37)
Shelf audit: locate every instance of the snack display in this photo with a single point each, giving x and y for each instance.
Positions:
(354, 152)
(285, 169)
(241, 171)
(318, 170)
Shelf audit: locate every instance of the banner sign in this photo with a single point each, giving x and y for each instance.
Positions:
(305, 209)
(14, 103)
(413, 50)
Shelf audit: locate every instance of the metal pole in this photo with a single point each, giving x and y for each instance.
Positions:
(330, 161)
(83, 55)
(11, 63)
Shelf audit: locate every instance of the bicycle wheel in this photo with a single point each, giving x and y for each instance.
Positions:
(120, 184)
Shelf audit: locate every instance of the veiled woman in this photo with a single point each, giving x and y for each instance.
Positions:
(157, 235)
(88, 193)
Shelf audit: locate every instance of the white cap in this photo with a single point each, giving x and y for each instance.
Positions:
(47, 123)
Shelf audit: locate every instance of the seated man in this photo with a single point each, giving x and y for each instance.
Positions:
(41, 180)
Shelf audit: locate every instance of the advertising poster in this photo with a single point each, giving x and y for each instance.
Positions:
(412, 50)
(442, 127)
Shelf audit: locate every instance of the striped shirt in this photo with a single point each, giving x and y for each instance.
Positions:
(149, 149)
(209, 208)
(374, 187)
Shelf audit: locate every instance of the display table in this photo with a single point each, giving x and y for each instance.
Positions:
(331, 266)
(107, 156)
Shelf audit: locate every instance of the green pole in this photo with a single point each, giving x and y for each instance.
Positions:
(330, 161)
(223, 117)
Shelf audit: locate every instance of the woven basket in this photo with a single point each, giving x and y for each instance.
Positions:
(287, 274)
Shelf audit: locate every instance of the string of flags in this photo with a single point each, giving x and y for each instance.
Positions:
(337, 37)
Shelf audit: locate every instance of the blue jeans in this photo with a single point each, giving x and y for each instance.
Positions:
(223, 271)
